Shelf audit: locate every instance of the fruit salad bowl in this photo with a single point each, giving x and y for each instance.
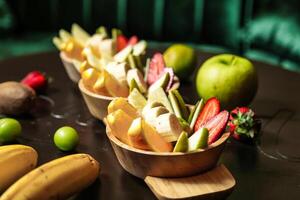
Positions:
(141, 163)
(96, 103)
(70, 68)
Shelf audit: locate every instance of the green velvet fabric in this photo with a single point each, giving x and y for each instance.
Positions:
(260, 29)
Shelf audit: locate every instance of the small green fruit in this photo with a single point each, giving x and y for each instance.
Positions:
(198, 140)
(182, 143)
(10, 129)
(181, 58)
(66, 138)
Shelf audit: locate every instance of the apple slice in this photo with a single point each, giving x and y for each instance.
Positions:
(118, 71)
(79, 34)
(139, 48)
(123, 54)
(211, 109)
(183, 109)
(151, 116)
(135, 135)
(107, 48)
(154, 140)
(162, 82)
(182, 144)
(198, 140)
(122, 103)
(119, 122)
(159, 95)
(138, 77)
(137, 100)
(168, 126)
(195, 113)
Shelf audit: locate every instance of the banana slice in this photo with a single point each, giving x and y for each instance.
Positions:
(152, 115)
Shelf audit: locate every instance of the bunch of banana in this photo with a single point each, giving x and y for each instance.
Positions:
(15, 161)
(57, 179)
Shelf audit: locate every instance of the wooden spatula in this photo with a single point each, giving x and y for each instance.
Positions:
(217, 183)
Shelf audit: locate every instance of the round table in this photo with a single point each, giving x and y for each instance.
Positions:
(269, 169)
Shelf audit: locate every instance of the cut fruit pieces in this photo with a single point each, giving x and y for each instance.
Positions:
(175, 105)
(167, 125)
(159, 95)
(121, 103)
(154, 140)
(135, 74)
(123, 55)
(118, 71)
(139, 48)
(182, 144)
(211, 109)
(183, 109)
(162, 82)
(114, 87)
(79, 34)
(99, 86)
(151, 115)
(199, 139)
(195, 113)
(156, 68)
(91, 58)
(133, 85)
(137, 100)
(64, 35)
(89, 77)
(107, 49)
(135, 135)
(119, 123)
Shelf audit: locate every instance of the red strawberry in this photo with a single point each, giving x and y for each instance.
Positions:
(36, 80)
(216, 126)
(211, 109)
(121, 42)
(133, 40)
(156, 68)
(243, 124)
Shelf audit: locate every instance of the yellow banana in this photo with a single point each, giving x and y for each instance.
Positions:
(15, 161)
(57, 179)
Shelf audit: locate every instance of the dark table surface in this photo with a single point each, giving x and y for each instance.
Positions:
(269, 169)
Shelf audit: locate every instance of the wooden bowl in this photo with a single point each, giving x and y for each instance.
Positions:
(70, 68)
(142, 163)
(96, 103)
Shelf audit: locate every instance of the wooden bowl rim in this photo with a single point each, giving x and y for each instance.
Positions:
(91, 94)
(116, 141)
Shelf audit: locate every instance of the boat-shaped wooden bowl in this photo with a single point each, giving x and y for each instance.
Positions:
(70, 68)
(96, 103)
(142, 163)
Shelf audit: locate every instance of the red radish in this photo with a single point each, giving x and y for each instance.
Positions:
(36, 80)
(216, 126)
(156, 68)
(212, 108)
(121, 42)
(133, 40)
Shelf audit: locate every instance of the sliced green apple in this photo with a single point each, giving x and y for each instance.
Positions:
(175, 105)
(182, 144)
(181, 104)
(162, 82)
(146, 69)
(103, 31)
(135, 74)
(159, 95)
(137, 100)
(195, 113)
(199, 139)
(123, 55)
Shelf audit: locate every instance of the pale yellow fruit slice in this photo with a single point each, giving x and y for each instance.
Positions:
(114, 87)
(119, 122)
(79, 34)
(135, 135)
(122, 103)
(154, 140)
(91, 58)
(99, 86)
(64, 35)
(136, 99)
(57, 42)
(89, 77)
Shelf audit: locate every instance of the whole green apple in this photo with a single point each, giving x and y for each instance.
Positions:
(230, 78)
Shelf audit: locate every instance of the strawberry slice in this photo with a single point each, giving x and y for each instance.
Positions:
(211, 109)
(156, 68)
(216, 126)
(121, 42)
(133, 40)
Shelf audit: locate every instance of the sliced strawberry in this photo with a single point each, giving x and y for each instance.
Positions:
(133, 40)
(156, 68)
(216, 126)
(211, 109)
(121, 42)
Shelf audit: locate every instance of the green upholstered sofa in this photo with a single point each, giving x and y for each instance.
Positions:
(266, 30)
